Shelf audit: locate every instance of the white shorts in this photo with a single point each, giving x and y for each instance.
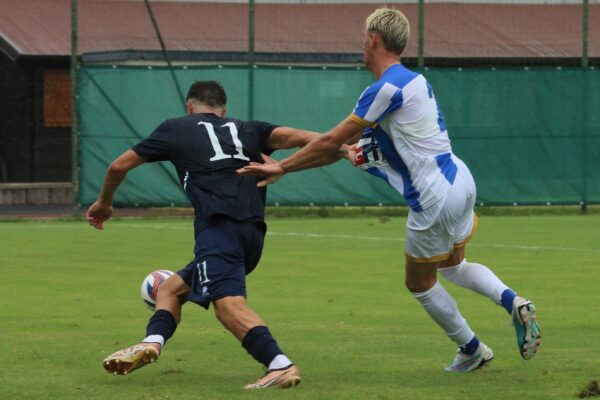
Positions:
(432, 234)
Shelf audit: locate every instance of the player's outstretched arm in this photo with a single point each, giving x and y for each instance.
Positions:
(102, 209)
(324, 149)
(320, 150)
(284, 137)
(287, 138)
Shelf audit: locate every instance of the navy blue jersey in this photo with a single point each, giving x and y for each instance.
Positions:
(206, 150)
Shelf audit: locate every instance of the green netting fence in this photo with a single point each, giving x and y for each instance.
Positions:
(529, 135)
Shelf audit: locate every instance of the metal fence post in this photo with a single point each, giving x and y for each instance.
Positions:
(165, 54)
(251, 59)
(421, 49)
(585, 64)
(74, 126)
(585, 34)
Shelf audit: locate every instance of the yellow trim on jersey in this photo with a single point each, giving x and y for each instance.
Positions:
(473, 228)
(361, 121)
(441, 257)
(390, 66)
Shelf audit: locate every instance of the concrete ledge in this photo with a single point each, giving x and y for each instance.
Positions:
(36, 193)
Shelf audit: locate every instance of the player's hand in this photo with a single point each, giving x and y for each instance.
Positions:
(271, 170)
(97, 214)
(273, 178)
(349, 153)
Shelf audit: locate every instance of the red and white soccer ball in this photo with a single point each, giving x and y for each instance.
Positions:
(151, 284)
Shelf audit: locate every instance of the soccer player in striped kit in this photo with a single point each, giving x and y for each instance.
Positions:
(401, 136)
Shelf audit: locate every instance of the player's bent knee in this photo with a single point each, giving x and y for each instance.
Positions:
(420, 286)
(419, 283)
(174, 287)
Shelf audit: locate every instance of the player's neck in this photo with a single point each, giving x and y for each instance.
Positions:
(204, 109)
(382, 63)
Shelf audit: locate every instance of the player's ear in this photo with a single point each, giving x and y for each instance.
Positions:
(223, 112)
(189, 107)
(374, 39)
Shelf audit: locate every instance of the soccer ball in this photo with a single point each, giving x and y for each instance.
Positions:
(151, 284)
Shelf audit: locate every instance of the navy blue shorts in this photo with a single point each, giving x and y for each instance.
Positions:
(226, 251)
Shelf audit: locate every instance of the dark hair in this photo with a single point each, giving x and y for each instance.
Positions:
(210, 93)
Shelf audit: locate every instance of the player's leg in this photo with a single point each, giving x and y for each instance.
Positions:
(250, 330)
(169, 299)
(474, 276)
(257, 340)
(226, 251)
(441, 307)
(236, 316)
(482, 280)
(429, 241)
(460, 216)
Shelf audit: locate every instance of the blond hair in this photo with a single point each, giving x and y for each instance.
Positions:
(393, 27)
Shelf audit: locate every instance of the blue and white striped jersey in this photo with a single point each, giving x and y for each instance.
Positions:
(405, 140)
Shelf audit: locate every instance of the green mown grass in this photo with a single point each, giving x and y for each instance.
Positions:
(331, 290)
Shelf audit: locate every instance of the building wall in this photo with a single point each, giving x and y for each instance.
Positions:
(16, 121)
(30, 152)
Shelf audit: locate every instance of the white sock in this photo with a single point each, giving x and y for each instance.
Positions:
(477, 278)
(155, 339)
(280, 362)
(442, 308)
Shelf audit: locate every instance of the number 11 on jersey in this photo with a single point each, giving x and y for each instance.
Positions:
(214, 141)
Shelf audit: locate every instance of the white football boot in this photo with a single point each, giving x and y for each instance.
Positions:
(469, 362)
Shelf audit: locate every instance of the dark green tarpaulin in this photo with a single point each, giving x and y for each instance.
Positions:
(530, 136)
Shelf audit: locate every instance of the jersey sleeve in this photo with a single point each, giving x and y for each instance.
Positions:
(264, 130)
(375, 103)
(156, 146)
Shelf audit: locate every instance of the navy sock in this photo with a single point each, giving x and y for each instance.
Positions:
(259, 343)
(471, 347)
(507, 300)
(162, 323)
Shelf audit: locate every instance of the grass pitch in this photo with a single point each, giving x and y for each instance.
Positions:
(330, 289)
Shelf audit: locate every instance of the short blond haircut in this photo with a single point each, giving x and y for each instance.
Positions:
(393, 27)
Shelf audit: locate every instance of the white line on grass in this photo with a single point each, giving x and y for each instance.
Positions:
(400, 239)
(380, 239)
(334, 236)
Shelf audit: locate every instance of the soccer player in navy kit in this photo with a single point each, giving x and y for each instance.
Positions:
(206, 149)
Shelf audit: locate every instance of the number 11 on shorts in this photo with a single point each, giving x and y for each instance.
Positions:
(202, 275)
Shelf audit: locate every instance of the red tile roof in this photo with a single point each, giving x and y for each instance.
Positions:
(42, 27)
